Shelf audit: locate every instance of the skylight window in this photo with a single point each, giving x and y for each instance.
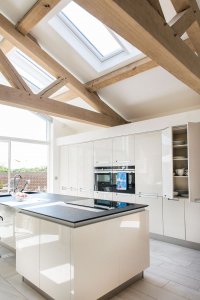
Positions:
(91, 31)
(35, 76)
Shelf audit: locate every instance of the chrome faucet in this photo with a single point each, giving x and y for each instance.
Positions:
(16, 182)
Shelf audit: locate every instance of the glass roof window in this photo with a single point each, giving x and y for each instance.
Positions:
(97, 37)
(34, 75)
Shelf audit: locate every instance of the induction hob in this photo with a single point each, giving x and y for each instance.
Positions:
(99, 203)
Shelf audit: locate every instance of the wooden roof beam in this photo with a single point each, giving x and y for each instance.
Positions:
(194, 30)
(66, 96)
(130, 70)
(26, 45)
(22, 99)
(140, 24)
(53, 87)
(11, 74)
(182, 21)
(35, 15)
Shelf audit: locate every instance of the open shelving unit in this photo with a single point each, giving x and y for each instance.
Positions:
(180, 159)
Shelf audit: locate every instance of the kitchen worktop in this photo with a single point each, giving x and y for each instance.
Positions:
(54, 207)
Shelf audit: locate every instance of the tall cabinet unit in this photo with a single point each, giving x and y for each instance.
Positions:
(103, 153)
(181, 172)
(148, 177)
(123, 151)
(85, 170)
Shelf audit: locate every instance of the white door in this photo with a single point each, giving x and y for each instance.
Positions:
(64, 170)
(155, 207)
(174, 217)
(194, 160)
(73, 170)
(85, 170)
(192, 220)
(123, 151)
(55, 264)
(103, 152)
(167, 163)
(148, 163)
(27, 247)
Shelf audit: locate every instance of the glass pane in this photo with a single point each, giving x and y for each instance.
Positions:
(15, 122)
(3, 167)
(92, 29)
(35, 76)
(30, 161)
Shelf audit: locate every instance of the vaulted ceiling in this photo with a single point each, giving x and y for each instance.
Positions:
(165, 79)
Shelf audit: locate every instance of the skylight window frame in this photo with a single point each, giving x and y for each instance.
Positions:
(67, 22)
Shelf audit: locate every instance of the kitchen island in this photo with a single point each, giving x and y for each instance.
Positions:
(72, 249)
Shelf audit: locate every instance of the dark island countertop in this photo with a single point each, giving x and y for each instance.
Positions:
(56, 208)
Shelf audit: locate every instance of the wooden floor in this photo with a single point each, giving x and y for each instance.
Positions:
(174, 274)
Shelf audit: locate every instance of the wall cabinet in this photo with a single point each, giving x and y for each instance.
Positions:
(174, 217)
(103, 152)
(148, 166)
(155, 207)
(123, 151)
(7, 226)
(73, 170)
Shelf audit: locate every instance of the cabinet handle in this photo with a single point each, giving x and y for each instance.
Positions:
(173, 199)
(1, 218)
(197, 200)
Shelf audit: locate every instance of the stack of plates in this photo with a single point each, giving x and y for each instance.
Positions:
(178, 142)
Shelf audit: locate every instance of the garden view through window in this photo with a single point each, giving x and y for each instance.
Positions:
(21, 153)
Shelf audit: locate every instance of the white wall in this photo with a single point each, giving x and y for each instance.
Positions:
(137, 127)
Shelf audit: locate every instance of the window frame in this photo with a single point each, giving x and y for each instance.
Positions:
(82, 38)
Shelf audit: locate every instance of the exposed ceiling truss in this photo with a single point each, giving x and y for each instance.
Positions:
(160, 41)
(142, 23)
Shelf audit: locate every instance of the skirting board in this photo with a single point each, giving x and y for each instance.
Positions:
(175, 241)
(105, 297)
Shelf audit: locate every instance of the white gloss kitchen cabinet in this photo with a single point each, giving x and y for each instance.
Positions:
(85, 170)
(155, 207)
(148, 164)
(148, 177)
(123, 151)
(83, 262)
(43, 255)
(192, 221)
(76, 170)
(103, 153)
(7, 226)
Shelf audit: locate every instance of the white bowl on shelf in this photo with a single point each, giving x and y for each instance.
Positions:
(178, 142)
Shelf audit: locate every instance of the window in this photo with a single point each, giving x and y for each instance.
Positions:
(101, 41)
(19, 123)
(34, 75)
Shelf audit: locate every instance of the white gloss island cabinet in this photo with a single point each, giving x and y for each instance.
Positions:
(77, 263)
(148, 177)
(7, 226)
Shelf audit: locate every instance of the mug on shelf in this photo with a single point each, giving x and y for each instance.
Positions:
(180, 172)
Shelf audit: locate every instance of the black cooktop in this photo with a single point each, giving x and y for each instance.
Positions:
(100, 204)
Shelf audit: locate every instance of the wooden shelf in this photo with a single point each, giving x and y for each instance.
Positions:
(180, 176)
(180, 146)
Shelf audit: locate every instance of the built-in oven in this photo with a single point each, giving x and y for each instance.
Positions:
(103, 179)
(123, 179)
